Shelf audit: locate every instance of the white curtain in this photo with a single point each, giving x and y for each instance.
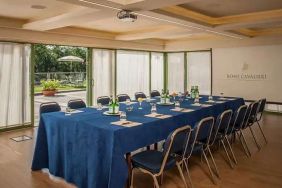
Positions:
(199, 71)
(14, 84)
(103, 73)
(176, 72)
(157, 71)
(132, 72)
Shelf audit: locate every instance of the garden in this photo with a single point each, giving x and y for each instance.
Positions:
(59, 69)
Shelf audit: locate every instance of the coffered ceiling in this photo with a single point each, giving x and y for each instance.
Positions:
(163, 20)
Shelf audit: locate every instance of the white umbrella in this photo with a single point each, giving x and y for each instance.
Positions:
(71, 59)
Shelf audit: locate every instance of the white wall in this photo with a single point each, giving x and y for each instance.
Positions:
(249, 72)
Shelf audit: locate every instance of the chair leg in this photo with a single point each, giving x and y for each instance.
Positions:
(161, 177)
(262, 132)
(181, 174)
(131, 182)
(211, 172)
(232, 138)
(214, 164)
(244, 147)
(255, 138)
(188, 173)
(244, 139)
(156, 183)
(231, 150)
(226, 152)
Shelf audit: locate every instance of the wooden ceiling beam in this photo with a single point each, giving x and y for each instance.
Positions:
(249, 17)
(158, 32)
(77, 17)
(242, 18)
(261, 32)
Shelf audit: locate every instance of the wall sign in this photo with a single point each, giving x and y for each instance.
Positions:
(245, 76)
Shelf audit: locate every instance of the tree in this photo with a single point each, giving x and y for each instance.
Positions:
(46, 58)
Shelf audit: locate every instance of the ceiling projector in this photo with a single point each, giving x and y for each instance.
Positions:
(126, 16)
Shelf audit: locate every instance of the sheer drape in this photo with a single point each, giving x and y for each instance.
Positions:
(103, 73)
(176, 72)
(14, 84)
(157, 71)
(199, 71)
(132, 72)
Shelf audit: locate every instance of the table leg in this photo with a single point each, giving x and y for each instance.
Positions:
(128, 160)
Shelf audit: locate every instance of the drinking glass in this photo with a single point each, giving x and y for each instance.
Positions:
(210, 98)
(179, 94)
(221, 94)
(177, 105)
(99, 106)
(129, 107)
(196, 100)
(140, 103)
(127, 102)
(188, 95)
(154, 109)
(148, 99)
(68, 110)
(122, 116)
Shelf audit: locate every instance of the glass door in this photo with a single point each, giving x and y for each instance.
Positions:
(199, 71)
(59, 75)
(15, 97)
(102, 73)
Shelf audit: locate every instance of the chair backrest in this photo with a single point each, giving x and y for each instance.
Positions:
(246, 119)
(203, 130)
(104, 100)
(76, 103)
(49, 107)
(238, 117)
(262, 105)
(122, 97)
(140, 95)
(253, 113)
(222, 124)
(176, 141)
(155, 93)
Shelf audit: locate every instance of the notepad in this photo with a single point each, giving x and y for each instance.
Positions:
(103, 107)
(219, 102)
(182, 110)
(206, 105)
(226, 99)
(126, 123)
(160, 116)
(129, 103)
(196, 104)
(210, 101)
(75, 111)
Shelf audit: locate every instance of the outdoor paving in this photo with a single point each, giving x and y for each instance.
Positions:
(61, 98)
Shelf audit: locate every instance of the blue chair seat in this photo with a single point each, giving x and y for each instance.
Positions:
(151, 160)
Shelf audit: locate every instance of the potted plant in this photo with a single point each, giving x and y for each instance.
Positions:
(49, 87)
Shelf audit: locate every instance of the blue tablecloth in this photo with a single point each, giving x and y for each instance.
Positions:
(87, 150)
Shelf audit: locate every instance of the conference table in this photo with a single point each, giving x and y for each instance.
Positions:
(86, 149)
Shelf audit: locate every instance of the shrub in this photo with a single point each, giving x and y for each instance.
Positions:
(50, 84)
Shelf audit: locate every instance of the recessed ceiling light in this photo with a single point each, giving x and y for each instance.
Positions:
(38, 7)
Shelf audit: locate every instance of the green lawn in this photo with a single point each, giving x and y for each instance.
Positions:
(38, 89)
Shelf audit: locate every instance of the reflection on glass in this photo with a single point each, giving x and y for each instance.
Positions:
(100, 106)
(122, 116)
(154, 108)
